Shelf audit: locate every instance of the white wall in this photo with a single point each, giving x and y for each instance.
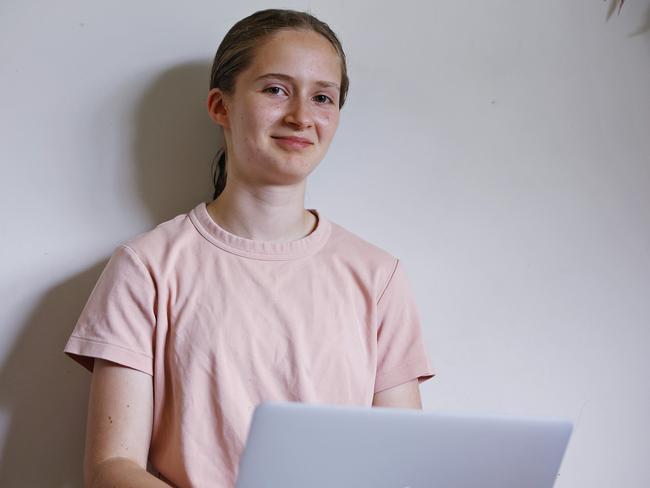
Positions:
(500, 149)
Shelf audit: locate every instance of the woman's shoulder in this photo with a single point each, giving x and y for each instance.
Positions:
(160, 239)
(351, 244)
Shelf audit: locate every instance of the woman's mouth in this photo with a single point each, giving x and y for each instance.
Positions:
(293, 142)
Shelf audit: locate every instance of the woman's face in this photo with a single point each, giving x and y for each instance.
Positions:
(291, 90)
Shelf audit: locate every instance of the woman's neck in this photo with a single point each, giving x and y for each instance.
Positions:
(268, 215)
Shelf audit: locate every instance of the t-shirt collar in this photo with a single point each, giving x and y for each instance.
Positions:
(264, 250)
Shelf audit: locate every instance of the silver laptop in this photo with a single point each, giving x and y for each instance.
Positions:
(300, 445)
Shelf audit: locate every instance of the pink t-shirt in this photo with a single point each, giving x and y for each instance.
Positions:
(223, 323)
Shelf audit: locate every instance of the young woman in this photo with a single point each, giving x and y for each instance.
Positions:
(249, 297)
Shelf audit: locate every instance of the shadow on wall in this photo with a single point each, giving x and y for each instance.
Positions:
(45, 393)
(175, 142)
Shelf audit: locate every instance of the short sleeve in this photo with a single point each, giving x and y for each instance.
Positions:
(118, 320)
(401, 353)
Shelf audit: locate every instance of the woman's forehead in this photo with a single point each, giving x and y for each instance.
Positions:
(297, 53)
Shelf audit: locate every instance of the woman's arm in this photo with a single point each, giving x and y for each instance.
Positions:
(118, 433)
(406, 395)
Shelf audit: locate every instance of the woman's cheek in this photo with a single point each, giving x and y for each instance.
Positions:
(328, 122)
(323, 119)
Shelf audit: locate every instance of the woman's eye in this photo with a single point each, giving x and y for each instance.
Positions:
(275, 90)
(323, 99)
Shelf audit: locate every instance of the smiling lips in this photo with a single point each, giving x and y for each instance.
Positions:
(293, 142)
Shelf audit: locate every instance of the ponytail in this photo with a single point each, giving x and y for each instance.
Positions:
(219, 173)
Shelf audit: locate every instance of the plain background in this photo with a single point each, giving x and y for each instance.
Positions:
(501, 149)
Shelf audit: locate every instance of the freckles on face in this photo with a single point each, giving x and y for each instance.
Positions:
(290, 88)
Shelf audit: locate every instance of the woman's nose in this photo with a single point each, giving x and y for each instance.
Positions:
(299, 114)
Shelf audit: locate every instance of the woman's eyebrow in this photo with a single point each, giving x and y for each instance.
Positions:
(282, 76)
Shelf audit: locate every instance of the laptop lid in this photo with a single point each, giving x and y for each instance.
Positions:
(299, 445)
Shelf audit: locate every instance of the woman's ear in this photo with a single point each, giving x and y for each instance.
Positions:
(217, 107)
